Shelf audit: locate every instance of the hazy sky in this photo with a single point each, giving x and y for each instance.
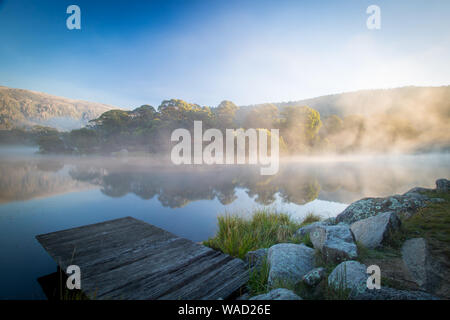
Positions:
(130, 53)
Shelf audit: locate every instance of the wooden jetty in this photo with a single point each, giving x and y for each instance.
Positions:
(130, 259)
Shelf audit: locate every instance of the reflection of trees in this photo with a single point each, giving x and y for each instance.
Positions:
(303, 193)
(27, 179)
(176, 188)
(262, 188)
(50, 165)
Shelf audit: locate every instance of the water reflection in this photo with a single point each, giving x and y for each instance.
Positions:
(299, 182)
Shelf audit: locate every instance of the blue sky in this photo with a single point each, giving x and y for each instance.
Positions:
(130, 53)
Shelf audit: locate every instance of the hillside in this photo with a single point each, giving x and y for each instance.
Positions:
(369, 102)
(23, 108)
(407, 119)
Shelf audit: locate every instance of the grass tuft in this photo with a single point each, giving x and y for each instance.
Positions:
(310, 218)
(236, 235)
(258, 276)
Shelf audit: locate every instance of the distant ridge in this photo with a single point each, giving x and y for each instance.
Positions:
(368, 102)
(24, 108)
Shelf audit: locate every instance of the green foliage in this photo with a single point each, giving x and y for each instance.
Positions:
(112, 121)
(365, 253)
(263, 116)
(432, 223)
(147, 129)
(310, 218)
(306, 240)
(237, 235)
(299, 127)
(51, 144)
(84, 140)
(17, 136)
(349, 123)
(224, 115)
(333, 125)
(258, 277)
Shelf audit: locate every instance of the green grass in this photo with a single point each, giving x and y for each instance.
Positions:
(365, 253)
(306, 240)
(257, 283)
(237, 235)
(432, 223)
(310, 218)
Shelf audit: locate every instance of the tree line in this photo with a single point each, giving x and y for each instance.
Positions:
(302, 131)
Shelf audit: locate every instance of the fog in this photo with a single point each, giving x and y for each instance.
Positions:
(300, 180)
(404, 120)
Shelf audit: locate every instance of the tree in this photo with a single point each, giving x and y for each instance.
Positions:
(262, 116)
(112, 121)
(332, 125)
(51, 144)
(299, 127)
(84, 140)
(224, 115)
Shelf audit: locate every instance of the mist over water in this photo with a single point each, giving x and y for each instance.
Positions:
(41, 194)
(300, 180)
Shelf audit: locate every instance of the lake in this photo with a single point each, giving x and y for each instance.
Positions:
(41, 194)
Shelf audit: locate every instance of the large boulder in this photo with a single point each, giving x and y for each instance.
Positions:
(443, 185)
(277, 294)
(375, 231)
(336, 243)
(349, 275)
(403, 205)
(423, 269)
(288, 263)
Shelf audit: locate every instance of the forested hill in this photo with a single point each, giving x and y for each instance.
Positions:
(368, 102)
(25, 108)
(406, 120)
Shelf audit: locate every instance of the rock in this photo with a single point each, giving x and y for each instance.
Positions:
(443, 185)
(303, 231)
(349, 275)
(422, 268)
(336, 243)
(417, 190)
(289, 262)
(374, 231)
(330, 221)
(256, 258)
(386, 293)
(313, 277)
(437, 200)
(277, 294)
(403, 205)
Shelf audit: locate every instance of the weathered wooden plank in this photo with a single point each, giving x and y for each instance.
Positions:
(130, 259)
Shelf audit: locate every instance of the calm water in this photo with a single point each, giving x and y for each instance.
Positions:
(40, 194)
